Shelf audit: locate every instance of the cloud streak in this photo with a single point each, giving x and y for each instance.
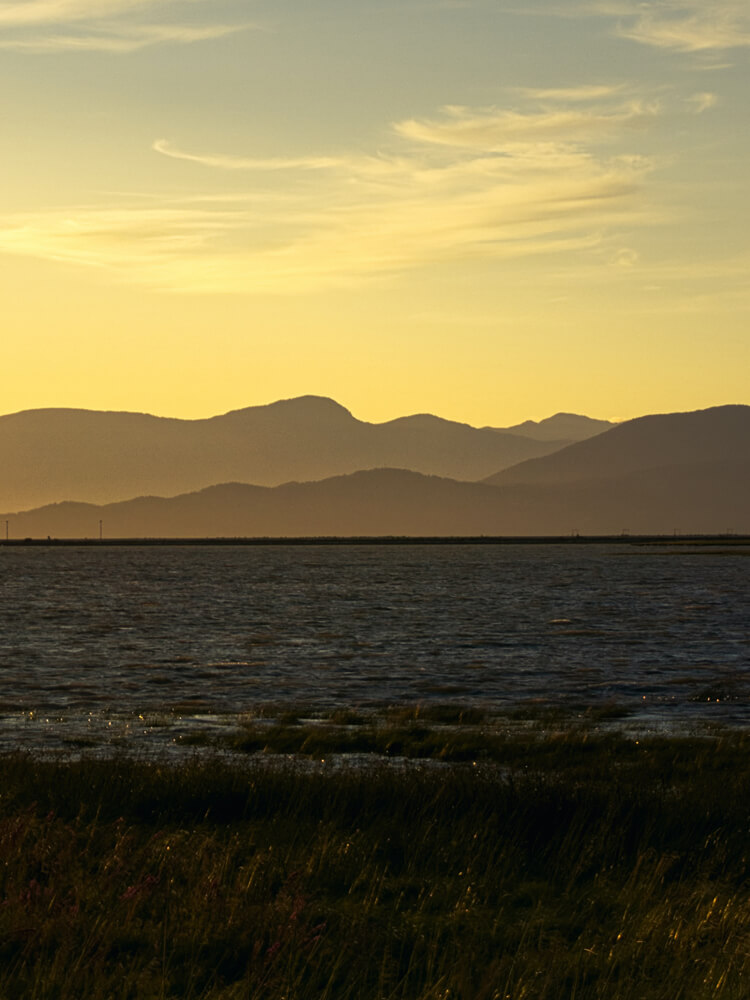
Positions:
(497, 130)
(223, 162)
(469, 184)
(127, 40)
(117, 26)
(690, 26)
(22, 13)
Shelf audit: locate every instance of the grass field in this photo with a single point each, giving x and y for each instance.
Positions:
(555, 863)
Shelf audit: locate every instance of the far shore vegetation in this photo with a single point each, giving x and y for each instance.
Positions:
(441, 860)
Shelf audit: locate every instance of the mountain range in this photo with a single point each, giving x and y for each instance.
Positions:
(102, 457)
(684, 472)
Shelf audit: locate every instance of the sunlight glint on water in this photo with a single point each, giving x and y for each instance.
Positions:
(140, 644)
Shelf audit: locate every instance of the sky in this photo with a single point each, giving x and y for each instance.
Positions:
(491, 210)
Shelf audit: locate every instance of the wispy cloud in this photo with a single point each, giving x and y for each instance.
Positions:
(588, 92)
(704, 101)
(467, 184)
(224, 162)
(102, 25)
(126, 39)
(498, 130)
(26, 12)
(707, 27)
(683, 25)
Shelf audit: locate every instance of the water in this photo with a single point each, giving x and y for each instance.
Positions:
(141, 646)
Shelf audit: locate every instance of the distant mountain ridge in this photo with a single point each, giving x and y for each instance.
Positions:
(397, 502)
(679, 473)
(100, 457)
(720, 433)
(561, 426)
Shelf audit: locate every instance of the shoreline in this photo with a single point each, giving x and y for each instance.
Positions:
(727, 538)
(364, 735)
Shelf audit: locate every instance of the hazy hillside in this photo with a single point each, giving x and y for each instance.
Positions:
(719, 434)
(378, 502)
(688, 472)
(53, 455)
(560, 427)
(707, 497)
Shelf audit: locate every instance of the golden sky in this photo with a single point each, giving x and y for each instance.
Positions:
(482, 209)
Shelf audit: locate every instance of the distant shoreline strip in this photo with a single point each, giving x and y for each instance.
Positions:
(572, 539)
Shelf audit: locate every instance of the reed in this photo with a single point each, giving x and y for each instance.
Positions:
(569, 865)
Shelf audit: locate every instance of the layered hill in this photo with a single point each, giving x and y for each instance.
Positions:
(375, 502)
(686, 473)
(710, 499)
(720, 434)
(562, 426)
(100, 457)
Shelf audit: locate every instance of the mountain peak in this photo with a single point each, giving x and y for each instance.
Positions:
(561, 426)
(313, 406)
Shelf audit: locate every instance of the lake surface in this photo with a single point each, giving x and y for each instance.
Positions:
(141, 646)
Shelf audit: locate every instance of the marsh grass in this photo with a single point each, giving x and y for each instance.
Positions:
(576, 866)
(444, 732)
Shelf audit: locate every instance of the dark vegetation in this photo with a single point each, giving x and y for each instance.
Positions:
(439, 732)
(565, 864)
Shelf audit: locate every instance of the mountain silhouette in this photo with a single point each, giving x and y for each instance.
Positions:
(560, 427)
(686, 473)
(708, 498)
(100, 457)
(375, 502)
(718, 434)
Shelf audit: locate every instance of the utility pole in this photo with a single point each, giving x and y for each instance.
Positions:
(6, 531)
(100, 531)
